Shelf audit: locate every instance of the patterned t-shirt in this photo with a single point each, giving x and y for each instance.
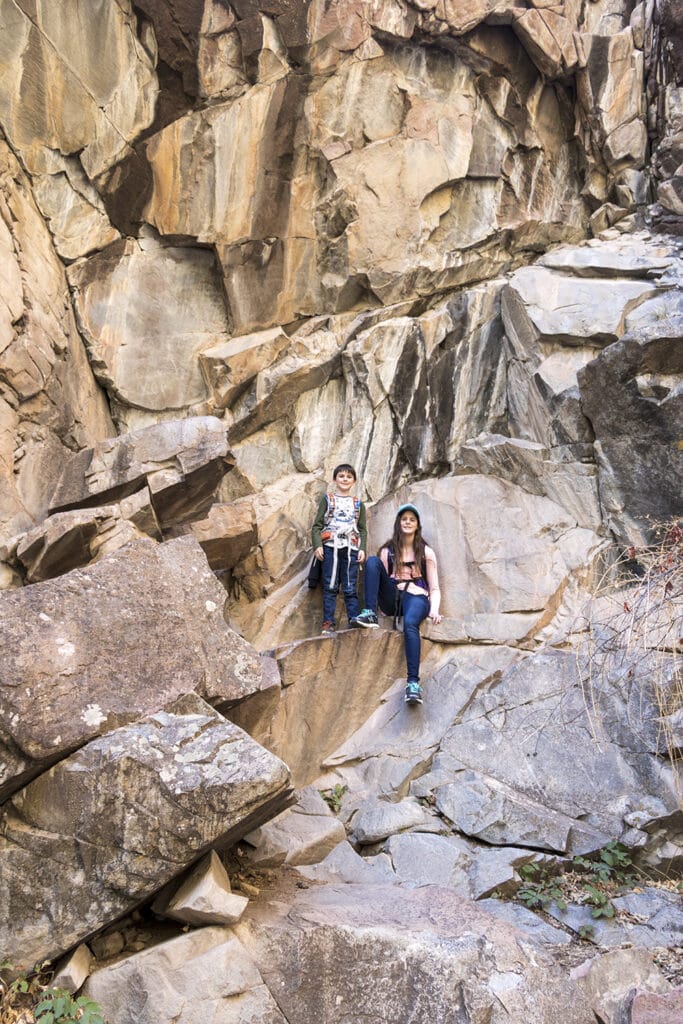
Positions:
(343, 520)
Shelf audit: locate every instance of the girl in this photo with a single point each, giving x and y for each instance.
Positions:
(404, 581)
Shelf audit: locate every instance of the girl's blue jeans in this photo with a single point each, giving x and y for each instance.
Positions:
(381, 589)
(347, 578)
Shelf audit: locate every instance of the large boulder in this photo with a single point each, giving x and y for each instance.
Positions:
(207, 972)
(558, 314)
(420, 955)
(68, 540)
(100, 646)
(122, 817)
(146, 311)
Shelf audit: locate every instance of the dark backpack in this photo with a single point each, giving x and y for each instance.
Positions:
(315, 574)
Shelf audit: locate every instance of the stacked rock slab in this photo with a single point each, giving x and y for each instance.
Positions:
(121, 817)
(79, 659)
(180, 461)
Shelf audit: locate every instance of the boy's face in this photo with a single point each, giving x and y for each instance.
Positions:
(344, 481)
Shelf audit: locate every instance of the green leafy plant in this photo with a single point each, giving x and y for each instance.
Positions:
(28, 997)
(611, 865)
(539, 888)
(600, 901)
(20, 994)
(591, 881)
(333, 797)
(59, 1007)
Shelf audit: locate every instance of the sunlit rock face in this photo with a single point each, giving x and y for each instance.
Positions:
(214, 171)
(392, 176)
(241, 243)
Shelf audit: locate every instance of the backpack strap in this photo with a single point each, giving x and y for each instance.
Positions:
(423, 565)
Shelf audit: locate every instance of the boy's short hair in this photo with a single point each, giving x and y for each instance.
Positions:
(344, 466)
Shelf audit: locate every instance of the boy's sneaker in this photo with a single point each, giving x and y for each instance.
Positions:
(413, 692)
(367, 619)
(328, 627)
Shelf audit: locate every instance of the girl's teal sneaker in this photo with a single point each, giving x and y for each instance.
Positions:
(413, 692)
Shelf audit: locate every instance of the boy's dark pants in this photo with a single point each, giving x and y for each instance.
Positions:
(381, 589)
(347, 578)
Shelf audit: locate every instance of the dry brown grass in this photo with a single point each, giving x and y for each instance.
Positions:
(635, 629)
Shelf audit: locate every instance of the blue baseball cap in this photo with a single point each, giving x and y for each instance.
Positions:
(408, 508)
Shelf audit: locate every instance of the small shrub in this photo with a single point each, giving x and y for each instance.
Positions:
(59, 1007)
(585, 881)
(28, 998)
(539, 888)
(333, 797)
(600, 901)
(611, 865)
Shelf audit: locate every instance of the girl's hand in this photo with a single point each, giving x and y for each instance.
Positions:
(435, 617)
(319, 554)
(361, 557)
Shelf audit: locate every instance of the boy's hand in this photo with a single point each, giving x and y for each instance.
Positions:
(319, 554)
(361, 557)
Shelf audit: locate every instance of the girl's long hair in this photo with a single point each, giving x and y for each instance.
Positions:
(394, 545)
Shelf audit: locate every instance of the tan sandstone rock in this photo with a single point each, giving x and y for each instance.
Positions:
(68, 540)
(205, 897)
(180, 461)
(146, 311)
(98, 106)
(317, 677)
(50, 404)
(303, 834)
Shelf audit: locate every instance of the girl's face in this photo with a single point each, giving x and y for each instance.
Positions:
(408, 524)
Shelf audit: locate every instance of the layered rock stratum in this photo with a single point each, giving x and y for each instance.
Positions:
(242, 242)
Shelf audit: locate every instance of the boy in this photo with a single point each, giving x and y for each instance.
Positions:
(339, 541)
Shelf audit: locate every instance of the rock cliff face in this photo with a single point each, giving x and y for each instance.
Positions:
(242, 242)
